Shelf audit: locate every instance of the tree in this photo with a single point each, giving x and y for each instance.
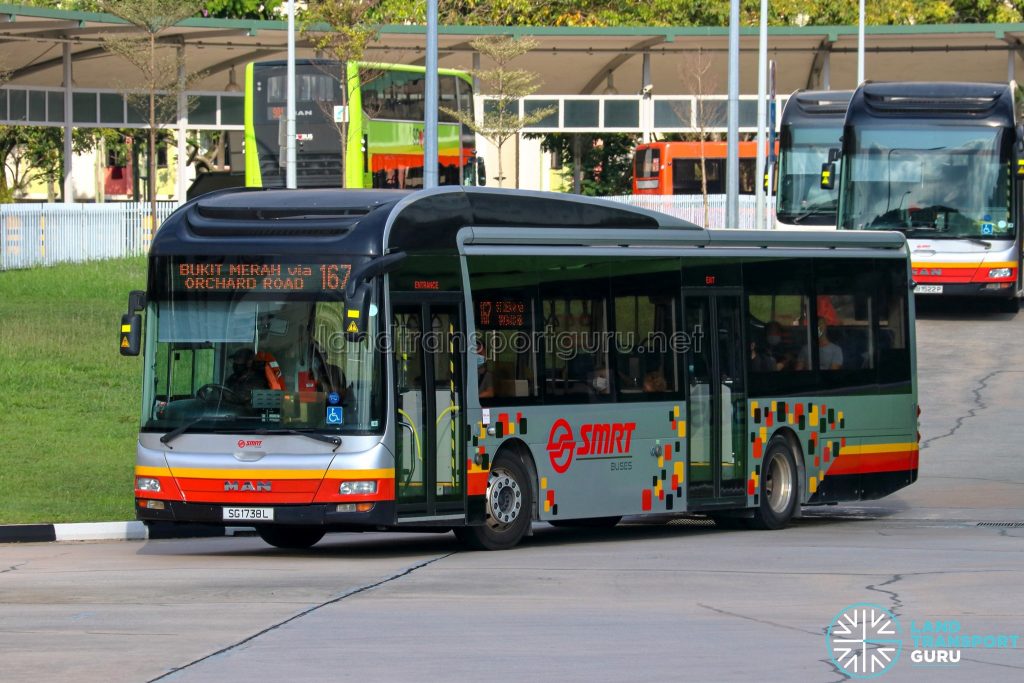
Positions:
(606, 160)
(241, 9)
(696, 74)
(158, 68)
(342, 29)
(501, 120)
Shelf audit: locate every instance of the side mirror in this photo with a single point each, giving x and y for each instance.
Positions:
(357, 312)
(131, 334)
(1020, 139)
(833, 155)
(131, 325)
(828, 176)
(481, 172)
(358, 293)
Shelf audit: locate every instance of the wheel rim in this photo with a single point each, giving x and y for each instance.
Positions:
(778, 485)
(504, 499)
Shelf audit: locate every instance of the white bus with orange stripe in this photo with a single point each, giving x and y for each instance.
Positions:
(628, 363)
(939, 162)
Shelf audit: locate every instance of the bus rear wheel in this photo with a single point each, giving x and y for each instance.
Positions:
(291, 537)
(779, 488)
(508, 509)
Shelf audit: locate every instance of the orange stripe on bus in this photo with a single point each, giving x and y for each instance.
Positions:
(864, 463)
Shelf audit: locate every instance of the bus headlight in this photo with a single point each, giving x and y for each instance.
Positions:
(1000, 272)
(147, 484)
(348, 488)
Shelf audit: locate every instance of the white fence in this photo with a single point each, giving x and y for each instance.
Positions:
(44, 234)
(691, 208)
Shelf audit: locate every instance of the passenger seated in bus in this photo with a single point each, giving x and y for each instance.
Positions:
(761, 359)
(830, 356)
(245, 376)
(598, 380)
(484, 376)
(654, 382)
(776, 352)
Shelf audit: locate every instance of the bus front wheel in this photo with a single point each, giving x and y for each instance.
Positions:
(291, 537)
(508, 509)
(779, 488)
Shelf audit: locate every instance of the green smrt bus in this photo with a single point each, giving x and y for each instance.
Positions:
(476, 360)
(385, 113)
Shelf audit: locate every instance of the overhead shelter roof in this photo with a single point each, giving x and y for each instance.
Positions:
(568, 60)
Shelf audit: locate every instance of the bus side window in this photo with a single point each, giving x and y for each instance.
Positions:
(644, 329)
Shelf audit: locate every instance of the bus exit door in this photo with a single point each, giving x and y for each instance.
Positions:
(716, 400)
(430, 459)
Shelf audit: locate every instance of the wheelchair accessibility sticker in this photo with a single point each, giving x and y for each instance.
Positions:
(334, 415)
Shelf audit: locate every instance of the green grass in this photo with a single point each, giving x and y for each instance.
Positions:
(69, 402)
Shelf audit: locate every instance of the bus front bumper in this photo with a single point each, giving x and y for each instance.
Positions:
(999, 290)
(383, 514)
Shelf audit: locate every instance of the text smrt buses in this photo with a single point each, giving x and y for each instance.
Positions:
(477, 360)
(937, 162)
(383, 124)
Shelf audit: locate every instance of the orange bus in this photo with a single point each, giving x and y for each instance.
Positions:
(674, 167)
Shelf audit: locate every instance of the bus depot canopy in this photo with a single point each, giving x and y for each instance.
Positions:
(567, 60)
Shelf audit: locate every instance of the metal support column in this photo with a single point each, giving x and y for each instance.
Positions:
(181, 165)
(69, 191)
(430, 178)
(732, 165)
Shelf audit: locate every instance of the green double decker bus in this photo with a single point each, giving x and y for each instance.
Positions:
(384, 113)
(479, 360)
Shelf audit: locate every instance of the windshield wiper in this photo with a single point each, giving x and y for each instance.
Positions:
(815, 210)
(309, 434)
(978, 240)
(170, 436)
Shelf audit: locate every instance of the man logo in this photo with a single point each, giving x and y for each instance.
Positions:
(864, 640)
(248, 486)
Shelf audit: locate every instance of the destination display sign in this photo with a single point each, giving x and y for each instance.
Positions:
(502, 314)
(257, 276)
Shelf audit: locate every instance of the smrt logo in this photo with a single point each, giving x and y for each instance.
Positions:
(596, 439)
(864, 640)
(251, 443)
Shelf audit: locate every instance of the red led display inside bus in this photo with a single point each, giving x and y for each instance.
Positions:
(501, 314)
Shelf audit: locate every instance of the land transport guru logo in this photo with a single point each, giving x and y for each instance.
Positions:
(864, 640)
(596, 439)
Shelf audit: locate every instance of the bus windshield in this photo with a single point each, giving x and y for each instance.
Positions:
(936, 182)
(225, 353)
(802, 152)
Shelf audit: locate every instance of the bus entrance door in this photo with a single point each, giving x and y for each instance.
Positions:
(430, 456)
(716, 401)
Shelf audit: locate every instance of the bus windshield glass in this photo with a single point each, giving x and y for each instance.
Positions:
(801, 200)
(257, 344)
(935, 182)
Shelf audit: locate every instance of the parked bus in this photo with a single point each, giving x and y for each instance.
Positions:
(385, 125)
(477, 360)
(936, 162)
(811, 126)
(674, 167)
